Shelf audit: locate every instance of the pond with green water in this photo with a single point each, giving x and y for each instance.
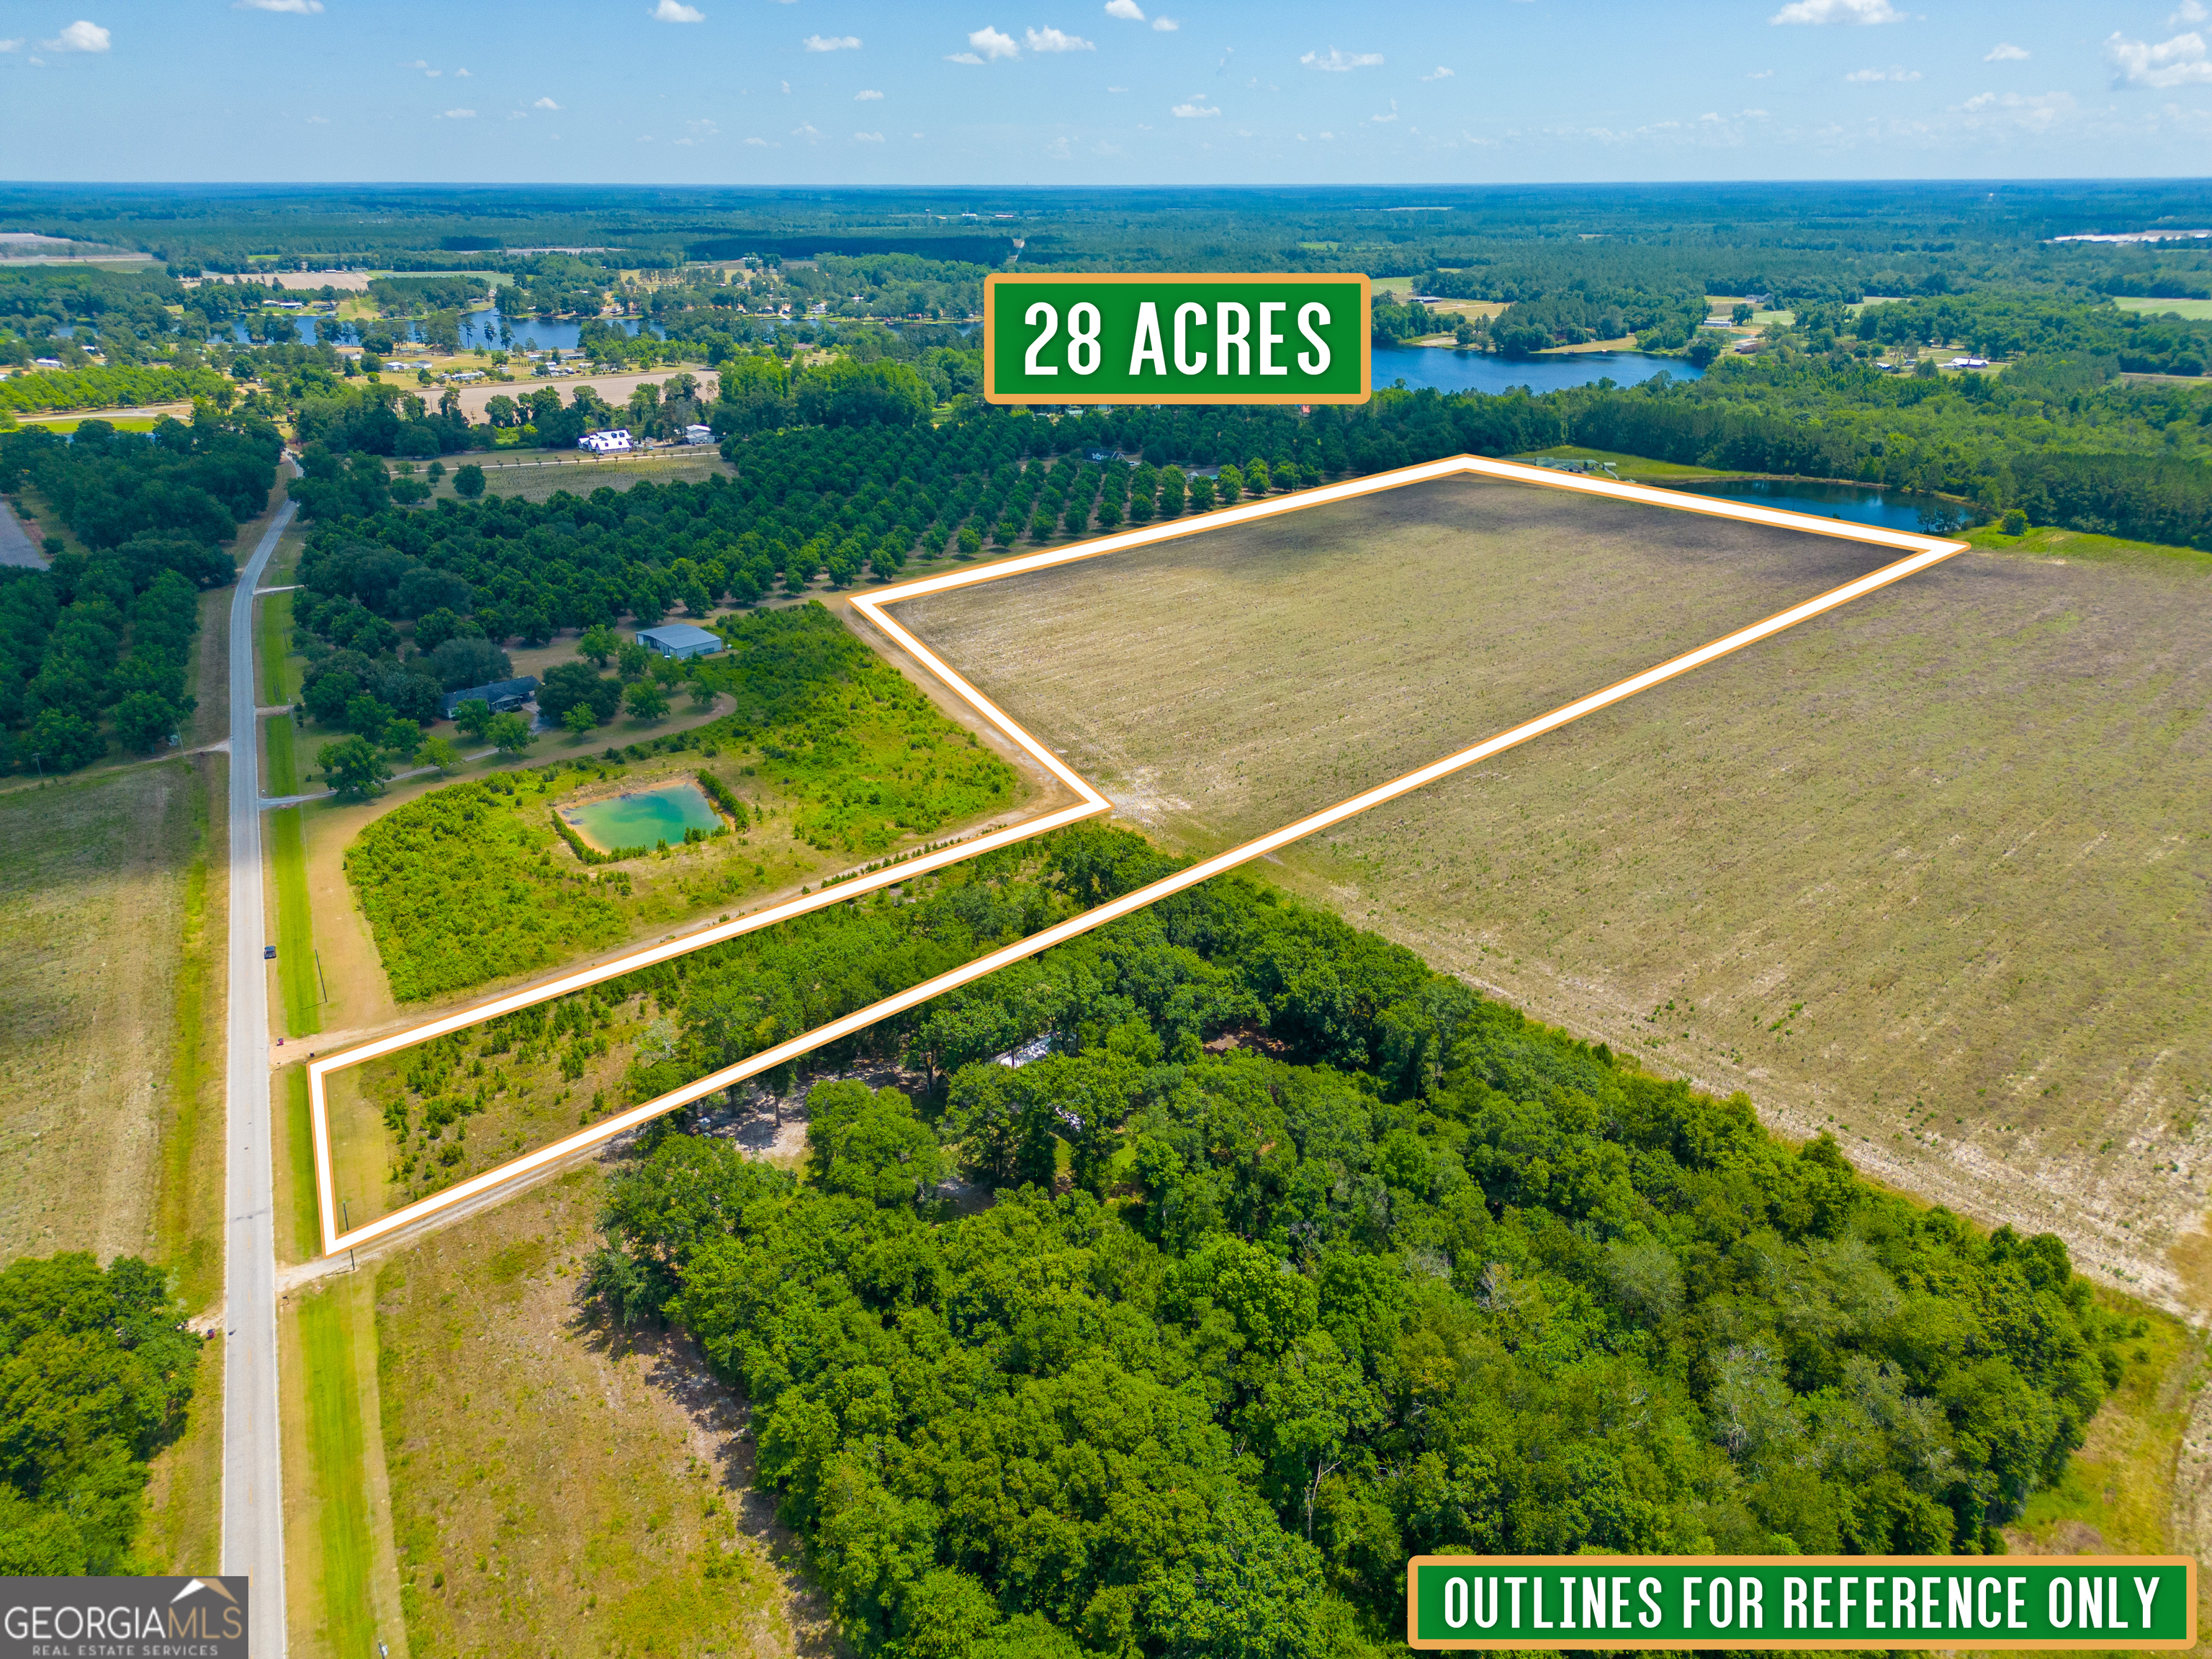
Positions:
(643, 817)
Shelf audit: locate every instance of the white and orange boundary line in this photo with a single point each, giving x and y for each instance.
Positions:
(1920, 551)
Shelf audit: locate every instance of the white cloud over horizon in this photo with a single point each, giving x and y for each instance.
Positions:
(2181, 61)
(987, 44)
(1339, 62)
(1838, 11)
(80, 36)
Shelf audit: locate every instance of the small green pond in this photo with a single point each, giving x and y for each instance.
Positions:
(643, 818)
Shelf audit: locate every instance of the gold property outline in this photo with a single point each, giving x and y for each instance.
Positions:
(1056, 398)
(1922, 551)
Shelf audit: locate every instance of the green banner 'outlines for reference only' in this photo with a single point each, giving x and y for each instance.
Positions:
(2109, 1601)
(1185, 338)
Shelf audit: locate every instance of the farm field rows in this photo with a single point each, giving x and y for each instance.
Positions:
(1928, 871)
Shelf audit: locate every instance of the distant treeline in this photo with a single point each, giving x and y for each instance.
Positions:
(2013, 325)
(1400, 1271)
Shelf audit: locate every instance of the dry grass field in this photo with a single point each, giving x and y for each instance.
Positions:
(556, 1484)
(109, 1073)
(1930, 871)
(534, 475)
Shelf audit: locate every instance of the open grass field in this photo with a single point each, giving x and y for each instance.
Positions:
(1930, 871)
(533, 475)
(556, 1486)
(334, 1450)
(280, 682)
(2195, 310)
(1632, 468)
(340, 1585)
(297, 978)
(111, 1102)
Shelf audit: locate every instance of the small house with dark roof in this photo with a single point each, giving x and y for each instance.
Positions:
(504, 697)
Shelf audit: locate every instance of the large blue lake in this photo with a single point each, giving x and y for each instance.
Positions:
(1891, 509)
(1480, 371)
(480, 328)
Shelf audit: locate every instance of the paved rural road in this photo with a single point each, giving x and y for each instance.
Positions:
(252, 1466)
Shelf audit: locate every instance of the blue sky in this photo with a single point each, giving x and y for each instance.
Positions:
(774, 92)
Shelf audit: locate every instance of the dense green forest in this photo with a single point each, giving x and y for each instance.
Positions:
(99, 643)
(1305, 1259)
(465, 885)
(1756, 236)
(96, 1369)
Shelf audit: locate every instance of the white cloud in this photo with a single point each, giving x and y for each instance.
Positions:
(1057, 149)
(1051, 40)
(757, 143)
(1838, 11)
(2005, 52)
(806, 130)
(1102, 148)
(318, 120)
(787, 88)
(1128, 10)
(2036, 112)
(2179, 62)
(17, 45)
(1165, 25)
(962, 57)
(1442, 74)
(867, 97)
(675, 11)
(1760, 74)
(990, 44)
(1383, 120)
(297, 8)
(79, 36)
(418, 63)
(463, 75)
(2192, 11)
(1338, 62)
(1893, 73)
(545, 103)
(1194, 110)
(461, 115)
(832, 43)
(432, 75)
(867, 137)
